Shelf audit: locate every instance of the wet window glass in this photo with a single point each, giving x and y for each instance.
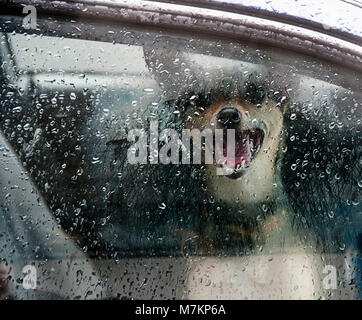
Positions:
(141, 164)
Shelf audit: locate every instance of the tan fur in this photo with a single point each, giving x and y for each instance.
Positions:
(257, 184)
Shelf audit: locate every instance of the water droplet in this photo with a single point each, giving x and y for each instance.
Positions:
(332, 125)
(17, 109)
(162, 206)
(95, 160)
(331, 214)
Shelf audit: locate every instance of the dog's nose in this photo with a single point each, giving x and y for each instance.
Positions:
(229, 117)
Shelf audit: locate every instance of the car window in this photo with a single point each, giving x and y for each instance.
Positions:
(124, 195)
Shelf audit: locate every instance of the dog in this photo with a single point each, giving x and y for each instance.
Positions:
(268, 214)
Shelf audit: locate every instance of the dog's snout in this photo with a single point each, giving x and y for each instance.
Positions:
(229, 117)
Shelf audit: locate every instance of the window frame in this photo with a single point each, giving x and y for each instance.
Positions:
(216, 21)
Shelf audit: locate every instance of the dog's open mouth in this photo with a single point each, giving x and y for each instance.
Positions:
(247, 145)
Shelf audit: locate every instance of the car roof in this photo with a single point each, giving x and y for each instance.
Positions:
(338, 17)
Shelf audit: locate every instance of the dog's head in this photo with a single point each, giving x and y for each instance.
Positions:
(254, 113)
(216, 93)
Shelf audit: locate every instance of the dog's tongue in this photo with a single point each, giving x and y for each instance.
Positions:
(242, 151)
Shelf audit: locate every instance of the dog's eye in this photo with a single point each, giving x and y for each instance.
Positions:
(255, 94)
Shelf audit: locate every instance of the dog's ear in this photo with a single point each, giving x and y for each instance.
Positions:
(174, 72)
(283, 99)
(283, 85)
